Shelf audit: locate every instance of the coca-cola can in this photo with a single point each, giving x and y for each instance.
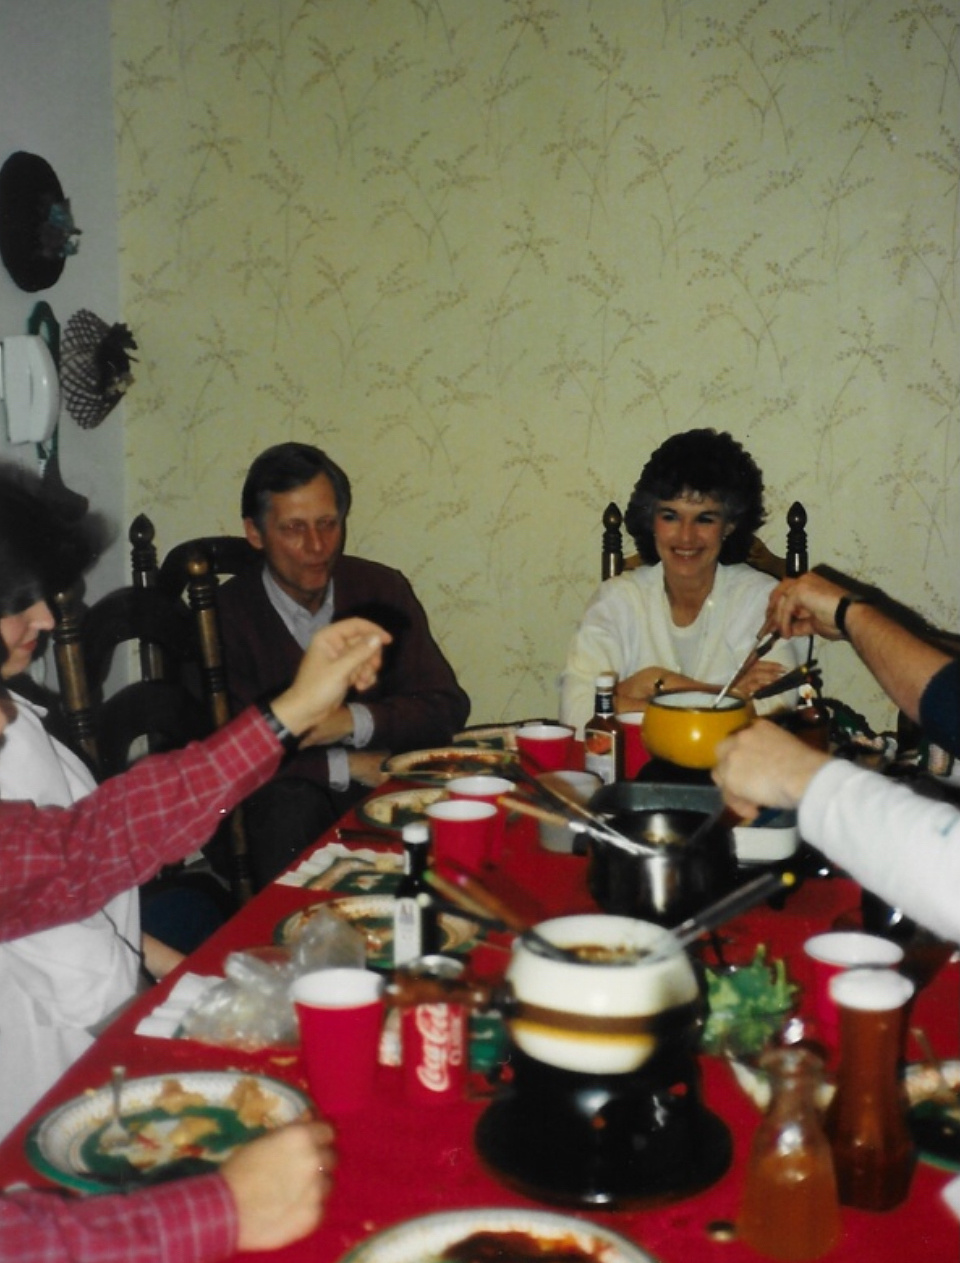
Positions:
(434, 1039)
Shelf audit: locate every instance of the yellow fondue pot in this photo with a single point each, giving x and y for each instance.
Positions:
(682, 726)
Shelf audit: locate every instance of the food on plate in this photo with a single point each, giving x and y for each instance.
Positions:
(521, 1247)
(747, 1005)
(190, 1129)
(182, 1124)
(174, 1098)
(393, 811)
(253, 1106)
(446, 763)
(371, 916)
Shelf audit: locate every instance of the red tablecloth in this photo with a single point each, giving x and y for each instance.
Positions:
(397, 1161)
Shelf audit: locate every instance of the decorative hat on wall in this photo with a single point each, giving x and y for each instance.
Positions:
(36, 225)
(94, 367)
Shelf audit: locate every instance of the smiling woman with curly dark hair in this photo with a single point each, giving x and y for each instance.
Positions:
(686, 617)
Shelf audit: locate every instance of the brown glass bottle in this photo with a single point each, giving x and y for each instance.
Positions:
(603, 736)
(867, 1118)
(789, 1208)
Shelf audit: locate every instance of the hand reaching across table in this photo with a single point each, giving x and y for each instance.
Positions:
(764, 766)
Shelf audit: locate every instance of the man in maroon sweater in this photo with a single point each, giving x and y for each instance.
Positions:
(294, 504)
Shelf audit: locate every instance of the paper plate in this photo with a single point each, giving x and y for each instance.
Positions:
(183, 1124)
(393, 811)
(372, 915)
(429, 1236)
(434, 767)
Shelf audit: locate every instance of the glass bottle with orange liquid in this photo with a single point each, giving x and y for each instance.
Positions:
(790, 1209)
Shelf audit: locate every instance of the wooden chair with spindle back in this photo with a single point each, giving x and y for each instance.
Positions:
(181, 693)
(613, 562)
(196, 567)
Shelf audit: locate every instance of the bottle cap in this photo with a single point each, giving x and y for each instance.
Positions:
(415, 831)
(607, 680)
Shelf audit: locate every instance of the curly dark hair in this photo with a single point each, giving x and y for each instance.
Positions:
(42, 551)
(705, 463)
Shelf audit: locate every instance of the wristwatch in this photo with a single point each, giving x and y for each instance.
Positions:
(287, 739)
(840, 613)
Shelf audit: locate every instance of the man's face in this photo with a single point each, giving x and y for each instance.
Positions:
(301, 539)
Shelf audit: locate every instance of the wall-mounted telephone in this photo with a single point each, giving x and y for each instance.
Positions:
(29, 388)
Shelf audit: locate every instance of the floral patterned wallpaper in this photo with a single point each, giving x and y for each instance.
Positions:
(491, 252)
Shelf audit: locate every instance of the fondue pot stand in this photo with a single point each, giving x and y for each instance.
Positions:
(603, 1106)
(678, 879)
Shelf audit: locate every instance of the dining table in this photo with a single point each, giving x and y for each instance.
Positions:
(399, 1159)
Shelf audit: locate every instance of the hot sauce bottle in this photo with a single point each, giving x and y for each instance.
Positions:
(603, 736)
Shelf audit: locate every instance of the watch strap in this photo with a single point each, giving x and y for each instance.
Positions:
(843, 606)
(287, 739)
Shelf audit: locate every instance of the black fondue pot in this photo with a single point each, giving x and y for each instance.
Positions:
(680, 877)
(602, 1107)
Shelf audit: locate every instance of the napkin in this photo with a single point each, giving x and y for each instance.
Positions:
(326, 856)
(951, 1195)
(166, 1018)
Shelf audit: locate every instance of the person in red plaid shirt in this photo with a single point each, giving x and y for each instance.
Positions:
(61, 863)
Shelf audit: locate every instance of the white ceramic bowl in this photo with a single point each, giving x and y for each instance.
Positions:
(596, 1018)
(767, 844)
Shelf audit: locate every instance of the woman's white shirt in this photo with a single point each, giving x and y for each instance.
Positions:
(627, 625)
(57, 984)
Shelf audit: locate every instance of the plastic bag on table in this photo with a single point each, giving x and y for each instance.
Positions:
(250, 1009)
(327, 941)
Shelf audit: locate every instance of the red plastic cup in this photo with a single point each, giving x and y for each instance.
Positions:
(635, 753)
(340, 1013)
(486, 789)
(460, 828)
(545, 747)
(834, 953)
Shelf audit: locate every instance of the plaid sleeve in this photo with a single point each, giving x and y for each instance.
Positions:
(186, 1221)
(60, 864)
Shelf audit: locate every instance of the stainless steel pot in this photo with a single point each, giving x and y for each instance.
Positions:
(677, 879)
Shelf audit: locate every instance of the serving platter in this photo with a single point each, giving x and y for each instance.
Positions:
(542, 1233)
(372, 915)
(404, 806)
(181, 1124)
(434, 767)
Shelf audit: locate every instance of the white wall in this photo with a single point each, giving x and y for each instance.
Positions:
(56, 101)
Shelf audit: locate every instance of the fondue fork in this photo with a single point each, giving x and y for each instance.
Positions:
(760, 647)
(714, 914)
(575, 816)
(115, 1135)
